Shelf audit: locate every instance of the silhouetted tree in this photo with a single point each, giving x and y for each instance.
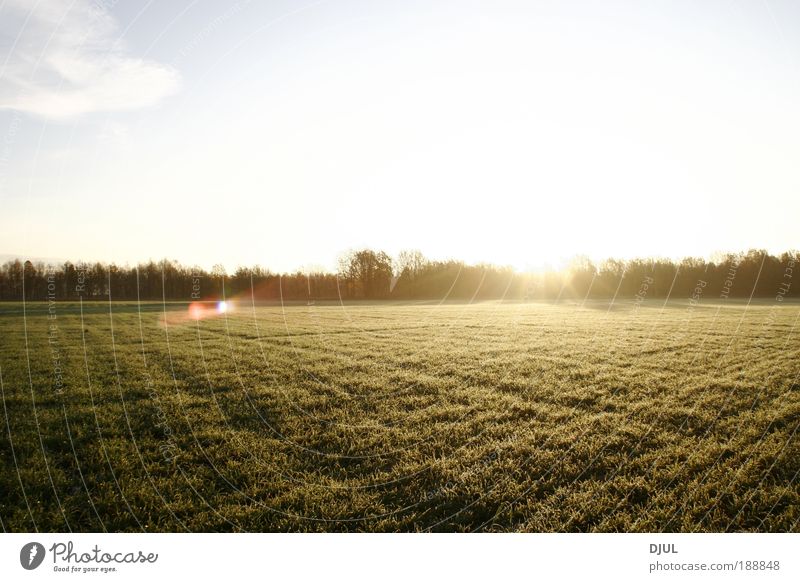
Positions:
(368, 272)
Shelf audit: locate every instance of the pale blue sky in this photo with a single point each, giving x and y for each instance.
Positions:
(283, 133)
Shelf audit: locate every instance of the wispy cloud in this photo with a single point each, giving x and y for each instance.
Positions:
(62, 59)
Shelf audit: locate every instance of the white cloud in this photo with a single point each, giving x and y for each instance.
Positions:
(63, 59)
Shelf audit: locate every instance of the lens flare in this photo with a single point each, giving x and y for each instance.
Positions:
(200, 310)
(196, 310)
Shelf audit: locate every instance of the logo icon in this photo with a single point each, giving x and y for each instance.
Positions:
(31, 555)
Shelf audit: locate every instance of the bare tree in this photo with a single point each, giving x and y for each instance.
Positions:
(367, 272)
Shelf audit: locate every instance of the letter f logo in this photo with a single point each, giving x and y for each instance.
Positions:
(31, 555)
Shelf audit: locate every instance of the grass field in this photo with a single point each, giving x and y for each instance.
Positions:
(388, 417)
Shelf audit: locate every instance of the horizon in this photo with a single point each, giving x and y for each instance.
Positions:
(717, 257)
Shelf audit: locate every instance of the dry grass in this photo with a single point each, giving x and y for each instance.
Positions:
(456, 417)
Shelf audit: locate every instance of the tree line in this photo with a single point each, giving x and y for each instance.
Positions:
(369, 274)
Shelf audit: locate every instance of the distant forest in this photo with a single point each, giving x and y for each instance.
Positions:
(368, 274)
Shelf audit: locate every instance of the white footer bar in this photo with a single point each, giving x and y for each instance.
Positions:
(377, 557)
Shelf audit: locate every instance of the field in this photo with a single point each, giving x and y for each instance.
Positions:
(637, 416)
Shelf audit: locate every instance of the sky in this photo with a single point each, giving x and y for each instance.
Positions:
(284, 133)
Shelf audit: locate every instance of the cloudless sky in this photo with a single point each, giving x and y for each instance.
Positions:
(283, 133)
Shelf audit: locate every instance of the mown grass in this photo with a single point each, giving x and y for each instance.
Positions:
(391, 417)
